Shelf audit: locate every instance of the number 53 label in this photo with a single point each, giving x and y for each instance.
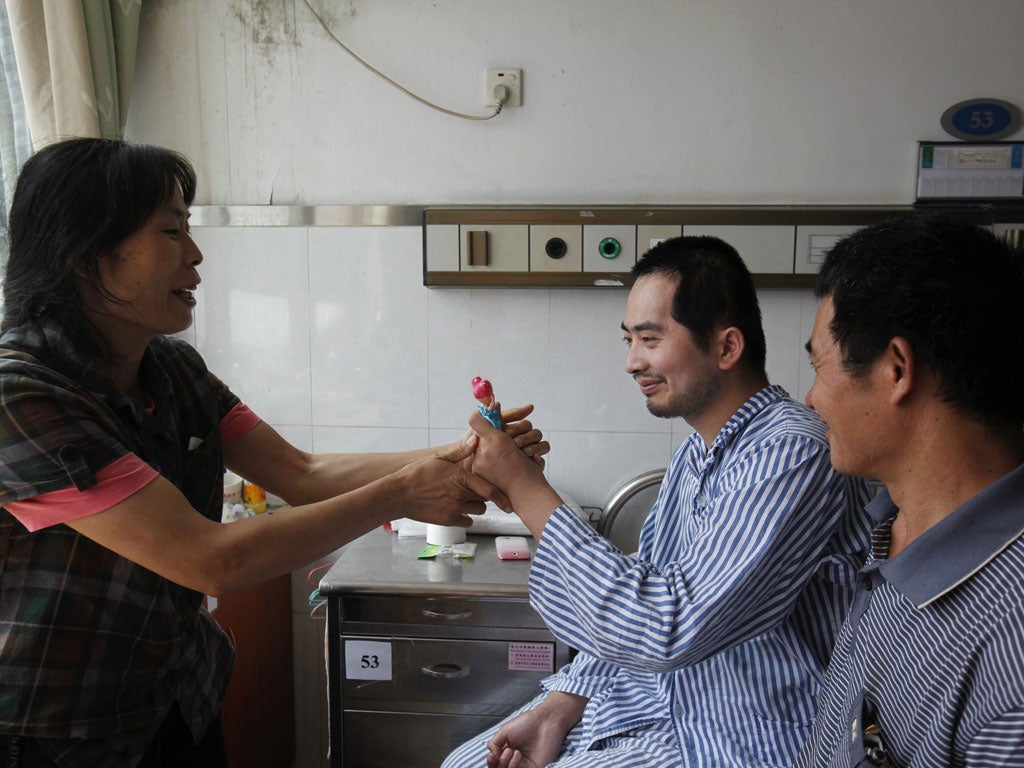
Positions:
(367, 660)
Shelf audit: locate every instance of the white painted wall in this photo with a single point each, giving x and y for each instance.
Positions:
(636, 101)
(626, 101)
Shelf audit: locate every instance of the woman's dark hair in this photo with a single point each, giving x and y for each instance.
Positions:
(952, 289)
(74, 202)
(715, 291)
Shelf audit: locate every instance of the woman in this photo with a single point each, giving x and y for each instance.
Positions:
(113, 442)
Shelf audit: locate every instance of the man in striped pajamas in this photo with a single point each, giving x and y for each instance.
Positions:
(918, 345)
(708, 647)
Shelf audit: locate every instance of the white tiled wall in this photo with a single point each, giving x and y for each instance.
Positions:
(329, 334)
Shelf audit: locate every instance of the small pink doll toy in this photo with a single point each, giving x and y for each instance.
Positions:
(488, 408)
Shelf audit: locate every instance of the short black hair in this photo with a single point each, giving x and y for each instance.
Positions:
(952, 289)
(716, 290)
(75, 200)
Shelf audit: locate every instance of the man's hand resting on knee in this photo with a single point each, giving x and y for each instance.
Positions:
(534, 738)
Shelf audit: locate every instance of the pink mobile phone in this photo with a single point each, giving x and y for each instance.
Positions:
(512, 547)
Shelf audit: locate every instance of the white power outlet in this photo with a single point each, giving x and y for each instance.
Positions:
(508, 77)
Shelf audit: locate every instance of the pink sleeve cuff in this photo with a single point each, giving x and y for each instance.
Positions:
(115, 483)
(237, 422)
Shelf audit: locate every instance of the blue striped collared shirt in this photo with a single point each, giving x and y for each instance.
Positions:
(721, 627)
(933, 651)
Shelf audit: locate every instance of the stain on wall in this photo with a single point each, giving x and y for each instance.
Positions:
(272, 24)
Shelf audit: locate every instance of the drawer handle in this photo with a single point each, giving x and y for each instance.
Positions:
(456, 615)
(445, 670)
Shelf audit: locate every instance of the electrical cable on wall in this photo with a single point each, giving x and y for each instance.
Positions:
(501, 92)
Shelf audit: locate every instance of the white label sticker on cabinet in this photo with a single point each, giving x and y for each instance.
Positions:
(367, 660)
(531, 657)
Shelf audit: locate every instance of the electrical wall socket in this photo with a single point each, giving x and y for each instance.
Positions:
(510, 78)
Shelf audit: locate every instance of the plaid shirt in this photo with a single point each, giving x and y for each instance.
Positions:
(95, 649)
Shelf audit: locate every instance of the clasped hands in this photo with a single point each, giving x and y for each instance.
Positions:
(503, 457)
(452, 484)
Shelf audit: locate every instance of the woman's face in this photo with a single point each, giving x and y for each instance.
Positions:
(152, 273)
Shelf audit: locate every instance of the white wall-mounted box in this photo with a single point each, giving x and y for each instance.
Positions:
(766, 237)
(813, 241)
(649, 235)
(765, 249)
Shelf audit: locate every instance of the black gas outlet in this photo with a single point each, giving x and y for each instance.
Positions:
(556, 248)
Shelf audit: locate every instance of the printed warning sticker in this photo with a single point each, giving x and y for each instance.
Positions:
(531, 657)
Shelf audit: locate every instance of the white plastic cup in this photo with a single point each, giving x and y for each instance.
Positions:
(445, 535)
(232, 488)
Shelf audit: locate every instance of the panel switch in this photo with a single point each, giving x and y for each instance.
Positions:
(495, 247)
(476, 248)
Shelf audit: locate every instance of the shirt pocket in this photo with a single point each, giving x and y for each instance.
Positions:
(203, 474)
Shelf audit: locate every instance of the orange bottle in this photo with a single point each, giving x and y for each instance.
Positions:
(254, 497)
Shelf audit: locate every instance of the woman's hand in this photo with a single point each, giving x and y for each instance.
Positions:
(442, 489)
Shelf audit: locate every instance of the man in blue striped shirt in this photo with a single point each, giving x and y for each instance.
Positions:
(918, 345)
(708, 647)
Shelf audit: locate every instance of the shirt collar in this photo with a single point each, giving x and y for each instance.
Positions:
(746, 412)
(702, 457)
(60, 352)
(957, 547)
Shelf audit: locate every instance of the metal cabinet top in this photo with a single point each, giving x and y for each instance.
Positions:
(382, 563)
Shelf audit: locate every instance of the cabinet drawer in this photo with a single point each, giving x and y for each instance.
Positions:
(482, 677)
(440, 611)
(390, 739)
